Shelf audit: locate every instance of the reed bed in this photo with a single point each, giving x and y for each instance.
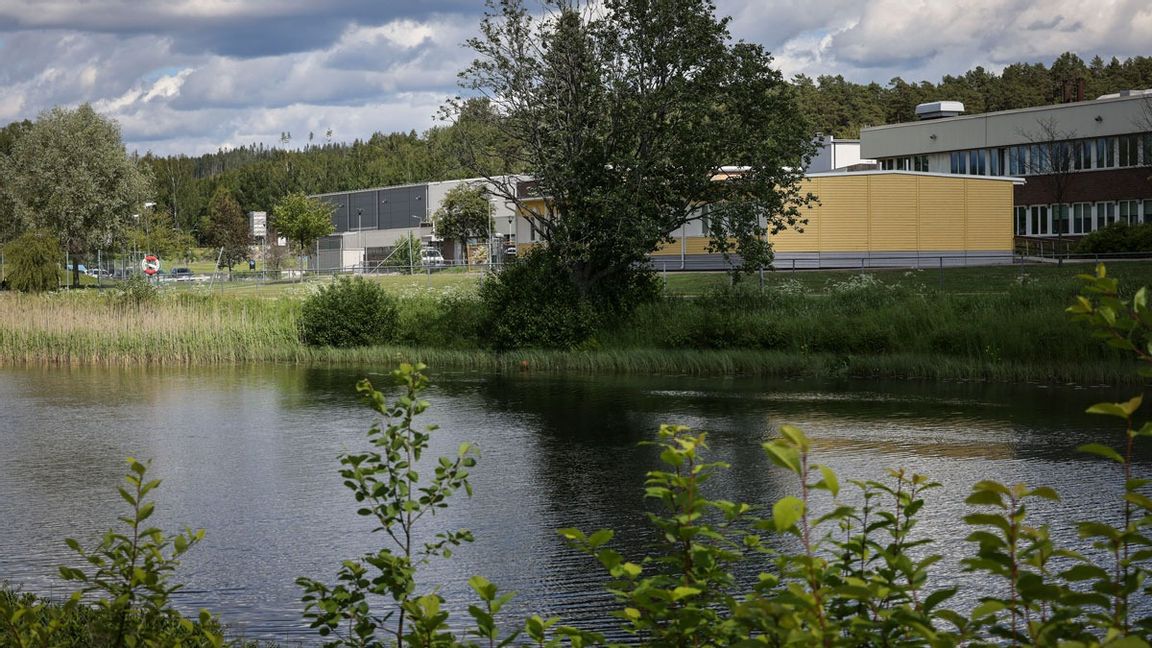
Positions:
(864, 330)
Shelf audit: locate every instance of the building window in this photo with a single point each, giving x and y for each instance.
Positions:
(1016, 161)
(1105, 153)
(961, 163)
(920, 163)
(996, 161)
(1105, 214)
(1060, 219)
(1146, 153)
(1129, 150)
(1081, 155)
(1148, 211)
(1022, 221)
(1039, 219)
(1130, 211)
(1081, 218)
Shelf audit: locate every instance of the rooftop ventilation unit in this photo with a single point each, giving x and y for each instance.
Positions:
(1126, 93)
(939, 110)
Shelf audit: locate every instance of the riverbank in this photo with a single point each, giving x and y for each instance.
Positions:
(881, 325)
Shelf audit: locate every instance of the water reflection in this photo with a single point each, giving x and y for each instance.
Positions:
(249, 453)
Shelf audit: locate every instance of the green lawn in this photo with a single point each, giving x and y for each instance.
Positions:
(973, 280)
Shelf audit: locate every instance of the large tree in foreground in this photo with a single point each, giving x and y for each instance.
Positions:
(636, 117)
(69, 174)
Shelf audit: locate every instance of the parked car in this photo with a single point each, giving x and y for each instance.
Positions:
(182, 274)
(98, 272)
(431, 257)
(510, 251)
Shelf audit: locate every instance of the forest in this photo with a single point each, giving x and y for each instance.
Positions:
(312, 163)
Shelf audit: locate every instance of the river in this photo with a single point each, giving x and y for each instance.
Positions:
(250, 455)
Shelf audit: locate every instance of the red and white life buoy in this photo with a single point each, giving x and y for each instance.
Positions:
(150, 265)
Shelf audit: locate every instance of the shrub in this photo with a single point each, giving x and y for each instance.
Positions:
(32, 262)
(135, 291)
(348, 313)
(1117, 237)
(533, 303)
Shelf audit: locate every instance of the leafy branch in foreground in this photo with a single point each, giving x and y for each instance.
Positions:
(125, 601)
(387, 484)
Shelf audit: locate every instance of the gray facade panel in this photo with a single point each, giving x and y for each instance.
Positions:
(399, 205)
(339, 204)
(363, 210)
(1086, 119)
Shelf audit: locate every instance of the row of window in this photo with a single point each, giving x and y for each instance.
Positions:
(1079, 218)
(1055, 157)
(1040, 158)
(913, 163)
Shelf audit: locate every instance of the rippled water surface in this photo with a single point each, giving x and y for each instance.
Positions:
(250, 454)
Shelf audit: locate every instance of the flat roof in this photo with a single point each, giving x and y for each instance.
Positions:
(1014, 111)
(930, 174)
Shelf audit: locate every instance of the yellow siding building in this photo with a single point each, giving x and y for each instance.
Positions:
(878, 218)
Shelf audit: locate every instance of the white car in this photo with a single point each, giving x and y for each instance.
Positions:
(430, 257)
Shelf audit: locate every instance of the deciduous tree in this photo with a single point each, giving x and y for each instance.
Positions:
(228, 228)
(69, 173)
(464, 214)
(634, 116)
(302, 220)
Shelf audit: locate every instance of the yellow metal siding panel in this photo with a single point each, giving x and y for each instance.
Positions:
(989, 216)
(941, 213)
(843, 214)
(892, 214)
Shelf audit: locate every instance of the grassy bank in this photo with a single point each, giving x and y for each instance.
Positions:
(812, 324)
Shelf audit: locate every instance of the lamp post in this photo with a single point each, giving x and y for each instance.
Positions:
(360, 236)
(412, 252)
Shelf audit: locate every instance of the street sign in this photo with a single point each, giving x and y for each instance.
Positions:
(259, 223)
(150, 265)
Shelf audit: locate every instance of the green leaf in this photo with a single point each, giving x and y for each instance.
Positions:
(684, 592)
(795, 435)
(1101, 450)
(830, 481)
(1121, 410)
(782, 455)
(786, 512)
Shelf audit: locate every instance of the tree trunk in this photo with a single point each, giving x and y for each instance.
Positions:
(75, 272)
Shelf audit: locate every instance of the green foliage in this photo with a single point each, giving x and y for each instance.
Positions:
(534, 303)
(130, 578)
(70, 174)
(464, 214)
(624, 117)
(136, 291)
(348, 313)
(156, 234)
(32, 262)
(228, 228)
(301, 220)
(388, 489)
(1117, 237)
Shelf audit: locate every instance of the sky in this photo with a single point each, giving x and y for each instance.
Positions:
(194, 76)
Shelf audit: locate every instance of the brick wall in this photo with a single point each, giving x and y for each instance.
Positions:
(1088, 186)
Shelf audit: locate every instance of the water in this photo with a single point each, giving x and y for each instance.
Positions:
(250, 455)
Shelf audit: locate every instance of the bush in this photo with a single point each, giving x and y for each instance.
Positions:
(348, 313)
(32, 262)
(533, 303)
(136, 291)
(1117, 237)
